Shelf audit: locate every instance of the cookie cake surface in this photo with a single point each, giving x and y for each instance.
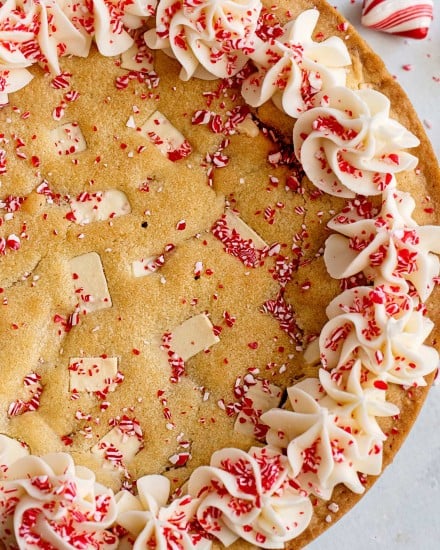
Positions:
(217, 272)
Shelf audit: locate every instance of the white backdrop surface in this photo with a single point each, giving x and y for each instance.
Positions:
(402, 511)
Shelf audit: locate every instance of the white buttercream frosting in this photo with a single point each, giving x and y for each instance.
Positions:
(390, 248)
(357, 397)
(10, 451)
(49, 501)
(349, 145)
(293, 68)
(383, 328)
(42, 32)
(153, 524)
(210, 38)
(55, 33)
(250, 495)
(325, 447)
(12, 80)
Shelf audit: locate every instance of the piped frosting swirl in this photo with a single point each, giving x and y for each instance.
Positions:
(349, 145)
(49, 502)
(390, 248)
(210, 39)
(250, 495)
(153, 524)
(293, 68)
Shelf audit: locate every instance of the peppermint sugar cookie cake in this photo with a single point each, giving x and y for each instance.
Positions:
(218, 261)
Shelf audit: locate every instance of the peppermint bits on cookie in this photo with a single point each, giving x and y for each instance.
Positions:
(410, 18)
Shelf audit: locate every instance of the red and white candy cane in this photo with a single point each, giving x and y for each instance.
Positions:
(410, 18)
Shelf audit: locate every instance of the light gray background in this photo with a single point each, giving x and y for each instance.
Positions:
(402, 511)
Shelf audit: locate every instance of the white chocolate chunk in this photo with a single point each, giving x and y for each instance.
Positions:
(90, 283)
(145, 266)
(100, 206)
(92, 374)
(134, 60)
(264, 397)
(170, 142)
(116, 448)
(248, 127)
(193, 336)
(235, 222)
(68, 139)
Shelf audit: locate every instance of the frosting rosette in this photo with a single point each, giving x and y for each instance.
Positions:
(251, 495)
(49, 502)
(385, 329)
(41, 31)
(293, 68)
(153, 524)
(353, 389)
(209, 38)
(324, 448)
(13, 74)
(389, 249)
(349, 145)
(109, 22)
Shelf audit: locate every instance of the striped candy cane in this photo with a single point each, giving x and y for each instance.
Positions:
(410, 18)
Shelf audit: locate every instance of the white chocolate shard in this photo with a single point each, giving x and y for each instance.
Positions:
(259, 399)
(99, 206)
(233, 221)
(90, 283)
(93, 374)
(193, 336)
(170, 142)
(146, 266)
(248, 127)
(117, 448)
(68, 139)
(135, 59)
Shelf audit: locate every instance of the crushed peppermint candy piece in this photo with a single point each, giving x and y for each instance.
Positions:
(90, 283)
(34, 389)
(239, 239)
(410, 18)
(68, 139)
(167, 138)
(98, 206)
(180, 459)
(236, 223)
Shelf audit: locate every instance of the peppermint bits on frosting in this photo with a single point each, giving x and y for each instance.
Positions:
(293, 68)
(50, 500)
(210, 39)
(390, 247)
(349, 144)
